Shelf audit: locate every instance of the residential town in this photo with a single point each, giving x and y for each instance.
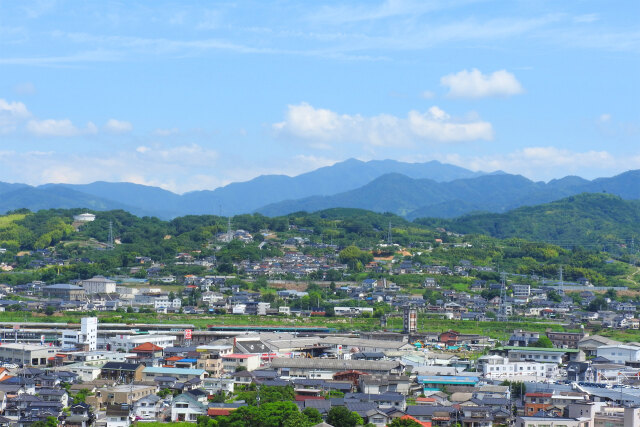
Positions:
(379, 333)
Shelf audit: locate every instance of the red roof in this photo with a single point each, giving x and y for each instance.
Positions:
(173, 358)
(215, 412)
(538, 395)
(147, 346)
(422, 423)
(425, 399)
(300, 398)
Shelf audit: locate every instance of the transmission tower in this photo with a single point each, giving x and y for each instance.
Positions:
(503, 312)
(389, 241)
(110, 239)
(561, 288)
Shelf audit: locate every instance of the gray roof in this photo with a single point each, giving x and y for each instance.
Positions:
(334, 364)
(65, 286)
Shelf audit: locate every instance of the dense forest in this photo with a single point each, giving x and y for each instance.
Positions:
(601, 221)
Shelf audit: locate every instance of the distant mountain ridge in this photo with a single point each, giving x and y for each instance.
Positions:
(412, 190)
(416, 198)
(233, 199)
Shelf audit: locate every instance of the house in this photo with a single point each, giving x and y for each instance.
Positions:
(185, 407)
(81, 415)
(147, 350)
(118, 415)
(122, 372)
(589, 344)
(148, 408)
(565, 339)
(534, 402)
(150, 373)
(522, 338)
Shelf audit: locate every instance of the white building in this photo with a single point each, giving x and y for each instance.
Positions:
(231, 362)
(498, 367)
(99, 285)
(84, 217)
(284, 310)
(352, 311)
(128, 342)
(86, 338)
(619, 353)
(85, 372)
(239, 309)
(215, 385)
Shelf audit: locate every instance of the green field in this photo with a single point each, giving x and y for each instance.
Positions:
(426, 323)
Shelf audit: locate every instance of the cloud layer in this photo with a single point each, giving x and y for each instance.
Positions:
(14, 116)
(474, 84)
(318, 125)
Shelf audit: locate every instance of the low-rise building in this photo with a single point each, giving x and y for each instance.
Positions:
(249, 362)
(620, 353)
(181, 374)
(27, 354)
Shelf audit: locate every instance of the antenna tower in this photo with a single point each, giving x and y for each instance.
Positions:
(561, 282)
(389, 241)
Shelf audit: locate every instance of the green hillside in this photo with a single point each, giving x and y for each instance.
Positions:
(600, 220)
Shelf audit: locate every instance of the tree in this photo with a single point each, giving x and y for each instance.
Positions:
(404, 422)
(313, 415)
(341, 416)
(554, 296)
(50, 422)
(598, 303)
(543, 342)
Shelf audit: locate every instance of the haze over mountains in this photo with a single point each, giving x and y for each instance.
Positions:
(412, 190)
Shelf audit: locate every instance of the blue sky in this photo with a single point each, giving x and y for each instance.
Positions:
(194, 95)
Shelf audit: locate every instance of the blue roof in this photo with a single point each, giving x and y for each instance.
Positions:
(173, 371)
(447, 379)
(187, 360)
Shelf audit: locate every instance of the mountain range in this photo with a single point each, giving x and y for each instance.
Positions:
(412, 190)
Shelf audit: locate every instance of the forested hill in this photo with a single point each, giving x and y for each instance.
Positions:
(585, 219)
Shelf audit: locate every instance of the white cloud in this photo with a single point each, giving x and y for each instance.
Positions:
(26, 88)
(604, 118)
(165, 132)
(64, 127)
(474, 84)
(544, 163)
(324, 127)
(12, 114)
(586, 19)
(192, 154)
(427, 94)
(118, 126)
(178, 168)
